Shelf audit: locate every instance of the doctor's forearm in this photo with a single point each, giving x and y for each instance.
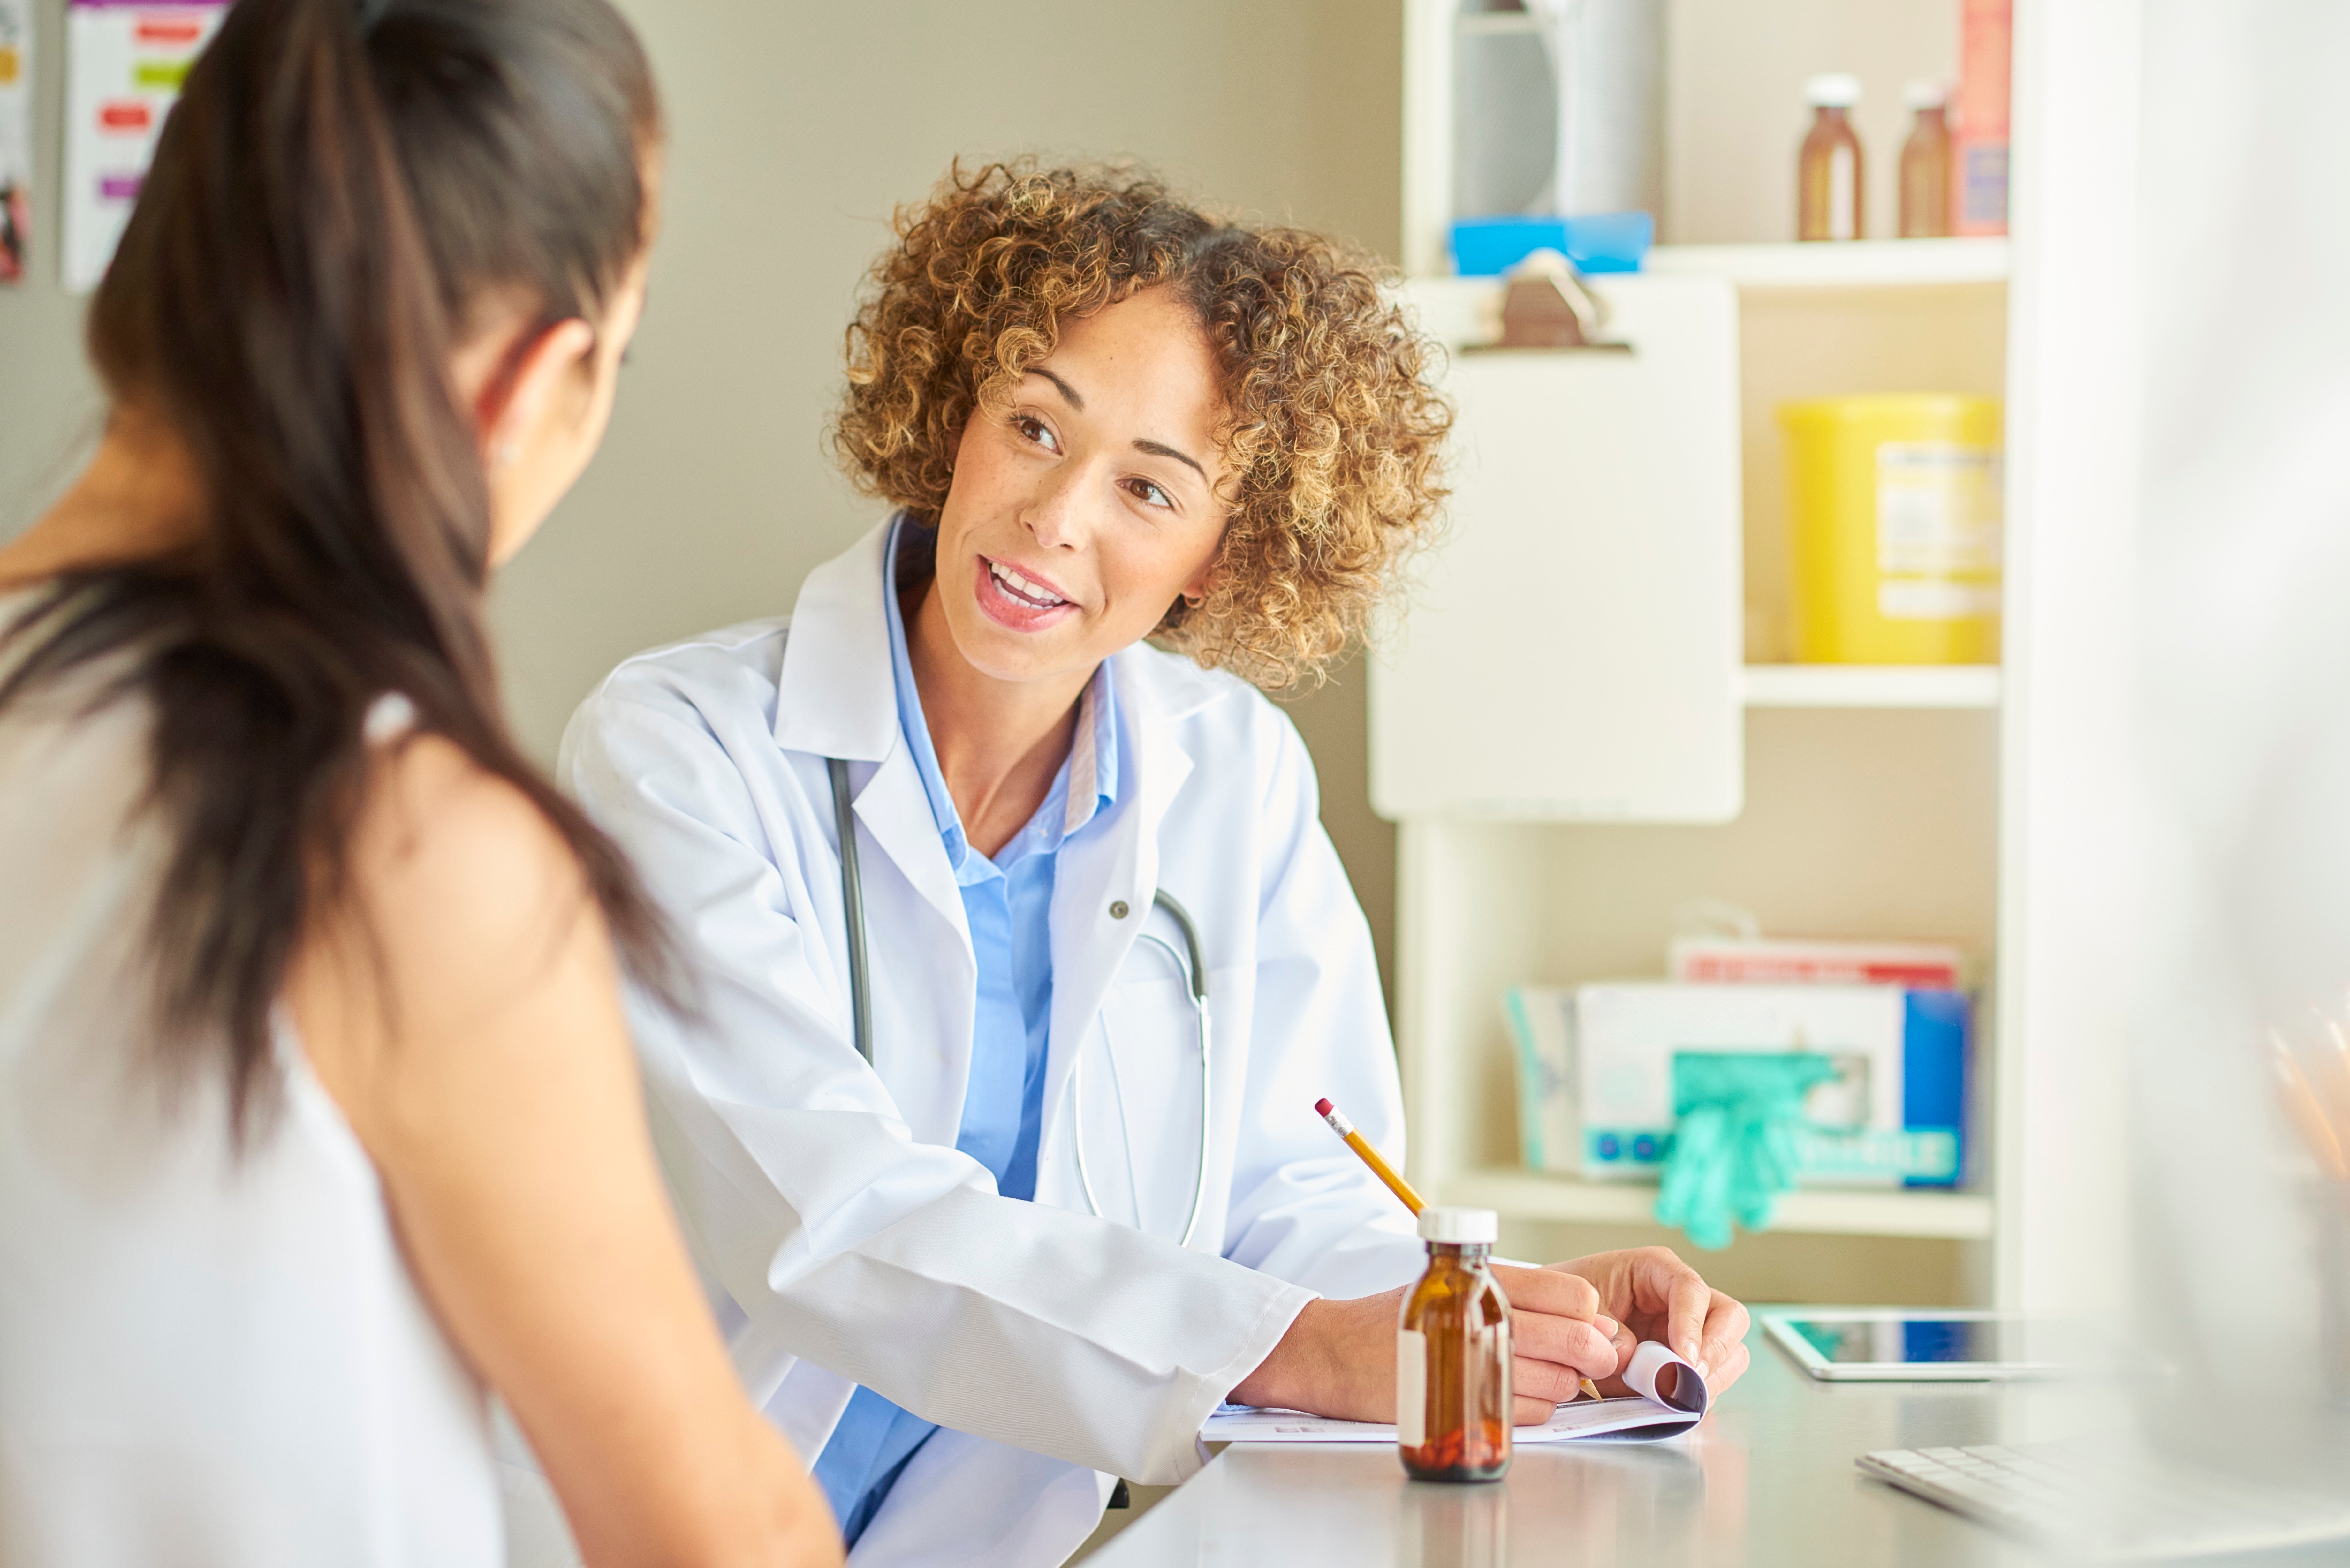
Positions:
(1319, 1366)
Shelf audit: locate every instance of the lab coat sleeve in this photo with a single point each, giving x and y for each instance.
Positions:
(1304, 1207)
(838, 1237)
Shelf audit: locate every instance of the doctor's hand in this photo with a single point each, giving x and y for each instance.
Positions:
(1653, 1294)
(1338, 1358)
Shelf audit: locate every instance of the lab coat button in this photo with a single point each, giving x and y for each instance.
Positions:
(1118, 910)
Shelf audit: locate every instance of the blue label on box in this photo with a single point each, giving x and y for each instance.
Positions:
(1934, 1074)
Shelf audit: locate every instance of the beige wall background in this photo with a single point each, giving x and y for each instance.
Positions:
(795, 129)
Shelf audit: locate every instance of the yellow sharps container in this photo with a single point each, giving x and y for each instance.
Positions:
(1895, 515)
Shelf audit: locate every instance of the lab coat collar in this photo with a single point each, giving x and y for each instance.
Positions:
(836, 697)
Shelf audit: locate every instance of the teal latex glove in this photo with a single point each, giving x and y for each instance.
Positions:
(1735, 1138)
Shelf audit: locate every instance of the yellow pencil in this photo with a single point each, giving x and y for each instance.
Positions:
(1369, 1156)
(1387, 1173)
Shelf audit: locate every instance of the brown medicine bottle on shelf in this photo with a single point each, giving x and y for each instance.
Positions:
(1926, 165)
(1453, 1355)
(1829, 203)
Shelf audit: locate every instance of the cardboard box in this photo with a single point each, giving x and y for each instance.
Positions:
(1596, 1074)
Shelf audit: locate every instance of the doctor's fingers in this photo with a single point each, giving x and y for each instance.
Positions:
(1552, 1291)
(1559, 1351)
(1723, 1333)
(1728, 1370)
(1724, 1343)
(1658, 1279)
(1530, 1412)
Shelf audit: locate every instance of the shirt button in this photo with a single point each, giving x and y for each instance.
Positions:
(1118, 910)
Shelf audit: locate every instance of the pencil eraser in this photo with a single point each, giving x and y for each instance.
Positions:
(1321, 1107)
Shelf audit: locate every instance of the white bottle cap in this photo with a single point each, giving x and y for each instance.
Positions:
(1925, 95)
(1461, 1227)
(1834, 90)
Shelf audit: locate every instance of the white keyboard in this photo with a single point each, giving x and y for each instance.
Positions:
(2087, 1498)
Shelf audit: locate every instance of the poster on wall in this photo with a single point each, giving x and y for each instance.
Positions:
(124, 65)
(16, 138)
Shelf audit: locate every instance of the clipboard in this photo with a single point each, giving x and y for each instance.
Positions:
(1572, 650)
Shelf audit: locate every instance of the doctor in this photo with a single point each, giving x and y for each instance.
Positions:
(1033, 1244)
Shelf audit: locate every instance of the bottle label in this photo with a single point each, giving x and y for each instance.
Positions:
(1844, 195)
(1938, 530)
(1412, 1388)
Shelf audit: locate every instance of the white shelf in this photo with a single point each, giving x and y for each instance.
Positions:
(1491, 23)
(1872, 685)
(1862, 263)
(1845, 1211)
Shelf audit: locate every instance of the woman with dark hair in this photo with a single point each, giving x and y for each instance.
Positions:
(1028, 955)
(317, 1115)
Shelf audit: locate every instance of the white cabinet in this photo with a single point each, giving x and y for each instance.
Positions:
(1573, 651)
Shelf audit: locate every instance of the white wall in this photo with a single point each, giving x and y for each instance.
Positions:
(795, 129)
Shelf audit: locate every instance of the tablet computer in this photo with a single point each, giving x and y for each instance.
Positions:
(1935, 1346)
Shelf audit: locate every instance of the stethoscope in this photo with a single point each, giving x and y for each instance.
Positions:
(1189, 963)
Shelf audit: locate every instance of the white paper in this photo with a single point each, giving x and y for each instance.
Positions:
(16, 138)
(1644, 1416)
(124, 64)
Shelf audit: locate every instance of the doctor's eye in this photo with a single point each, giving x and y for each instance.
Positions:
(1150, 495)
(1036, 430)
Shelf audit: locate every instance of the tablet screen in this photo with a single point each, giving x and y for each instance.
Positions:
(1921, 1340)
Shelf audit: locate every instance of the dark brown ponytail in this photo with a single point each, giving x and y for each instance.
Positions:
(341, 181)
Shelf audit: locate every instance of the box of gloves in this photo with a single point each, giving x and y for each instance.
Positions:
(1873, 1078)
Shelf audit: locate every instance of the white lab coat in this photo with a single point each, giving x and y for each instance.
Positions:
(842, 1236)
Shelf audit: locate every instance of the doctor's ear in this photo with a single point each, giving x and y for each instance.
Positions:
(1195, 591)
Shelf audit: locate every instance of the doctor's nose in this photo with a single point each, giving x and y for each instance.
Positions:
(1057, 514)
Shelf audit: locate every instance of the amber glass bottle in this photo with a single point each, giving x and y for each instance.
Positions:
(1453, 1355)
(1828, 194)
(1926, 165)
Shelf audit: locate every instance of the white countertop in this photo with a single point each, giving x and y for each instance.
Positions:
(1768, 1479)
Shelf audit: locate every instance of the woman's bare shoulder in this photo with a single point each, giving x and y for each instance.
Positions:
(460, 902)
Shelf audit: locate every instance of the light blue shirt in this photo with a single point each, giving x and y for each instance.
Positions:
(1008, 902)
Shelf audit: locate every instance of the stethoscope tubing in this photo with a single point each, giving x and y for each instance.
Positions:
(1191, 962)
(852, 911)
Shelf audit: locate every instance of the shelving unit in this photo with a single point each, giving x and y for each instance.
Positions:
(1872, 686)
(1873, 794)
(1869, 264)
(1823, 1211)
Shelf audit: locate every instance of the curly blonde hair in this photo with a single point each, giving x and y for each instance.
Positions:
(1331, 431)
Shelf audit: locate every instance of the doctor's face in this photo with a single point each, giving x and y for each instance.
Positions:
(1081, 512)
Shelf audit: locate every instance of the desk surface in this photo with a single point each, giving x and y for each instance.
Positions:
(1768, 1479)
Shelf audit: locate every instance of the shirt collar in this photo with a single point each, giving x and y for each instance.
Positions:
(1093, 754)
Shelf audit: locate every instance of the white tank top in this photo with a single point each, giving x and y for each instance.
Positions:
(205, 1357)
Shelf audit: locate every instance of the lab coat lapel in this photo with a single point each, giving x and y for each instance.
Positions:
(838, 697)
(1118, 865)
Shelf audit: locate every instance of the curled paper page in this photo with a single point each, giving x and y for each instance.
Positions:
(1655, 1373)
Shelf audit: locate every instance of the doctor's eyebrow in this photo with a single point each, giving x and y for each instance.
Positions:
(1161, 449)
(1142, 443)
(1077, 402)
